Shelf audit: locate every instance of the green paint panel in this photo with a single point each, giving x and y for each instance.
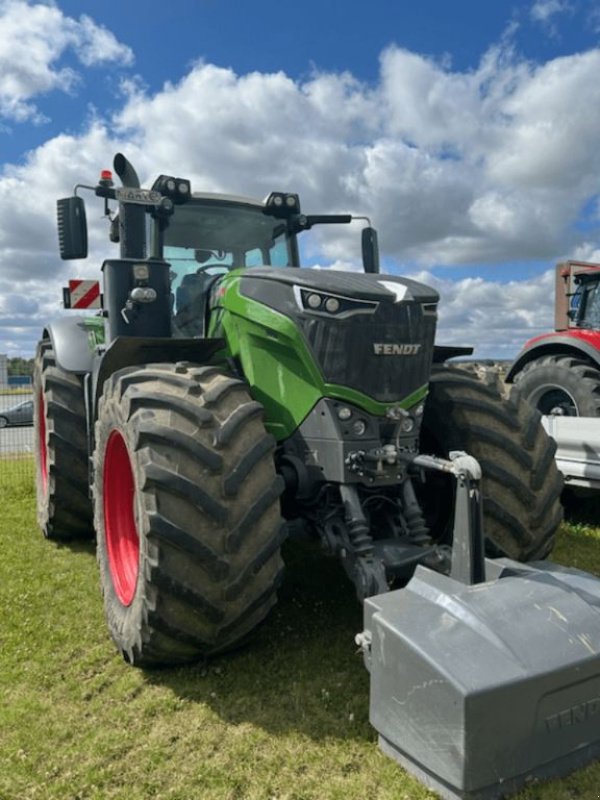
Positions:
(95, 330)
(277, 362)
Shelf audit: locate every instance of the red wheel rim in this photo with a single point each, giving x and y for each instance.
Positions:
(122, 540)
(42, 446)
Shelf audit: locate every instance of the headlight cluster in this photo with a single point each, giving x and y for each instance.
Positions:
(355, 421)
(358, 425)
(331, 305)
(407, 419)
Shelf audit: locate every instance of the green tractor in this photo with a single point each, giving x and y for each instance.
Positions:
(224, 397)
(222, 390)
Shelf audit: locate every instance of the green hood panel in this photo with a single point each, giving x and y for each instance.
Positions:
(277, 362)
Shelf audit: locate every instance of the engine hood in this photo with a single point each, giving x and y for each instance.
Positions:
(371, 333)
(375, 288)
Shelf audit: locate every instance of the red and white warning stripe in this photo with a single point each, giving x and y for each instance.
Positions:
(84, 294)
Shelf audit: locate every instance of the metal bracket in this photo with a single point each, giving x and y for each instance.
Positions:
(468, 550)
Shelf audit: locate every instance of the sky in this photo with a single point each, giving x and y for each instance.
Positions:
(468, 132)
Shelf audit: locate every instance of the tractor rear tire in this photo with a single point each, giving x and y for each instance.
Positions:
(186, 510)
(561, 384)
(64, 508)
(521, 484)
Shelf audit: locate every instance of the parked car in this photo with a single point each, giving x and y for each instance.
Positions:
(21, 414)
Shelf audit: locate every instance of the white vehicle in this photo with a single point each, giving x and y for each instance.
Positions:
(578, 448)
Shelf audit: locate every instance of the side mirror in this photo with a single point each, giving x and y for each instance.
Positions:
(370, 250)
(72, 228)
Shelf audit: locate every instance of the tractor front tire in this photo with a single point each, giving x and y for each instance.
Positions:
(64, 508)
(521, 484)
(187, 512)
(561, 384)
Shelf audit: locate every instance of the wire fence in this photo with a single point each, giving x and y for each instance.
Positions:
(16, 437)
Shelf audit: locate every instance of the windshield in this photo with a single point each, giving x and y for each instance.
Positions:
(208, 237)
(585, 305)
(225, 234)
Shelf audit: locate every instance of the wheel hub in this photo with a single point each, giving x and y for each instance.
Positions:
(122, 539)
(555, 400)
(42, 446)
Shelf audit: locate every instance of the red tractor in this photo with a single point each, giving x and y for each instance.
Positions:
(559, 372)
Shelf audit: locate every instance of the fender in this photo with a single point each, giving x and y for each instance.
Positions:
(71, 343)
(586, 343)
(442, 352)
(130, 351)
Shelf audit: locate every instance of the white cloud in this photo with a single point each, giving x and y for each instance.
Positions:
(587, 251)
(95, 44)
(545, 10)
(488, 165)
(33, 39)
(496, 318)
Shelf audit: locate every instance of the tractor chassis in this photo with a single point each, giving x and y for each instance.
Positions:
(374, 564)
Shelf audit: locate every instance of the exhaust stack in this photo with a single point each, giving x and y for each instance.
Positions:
(132, 218)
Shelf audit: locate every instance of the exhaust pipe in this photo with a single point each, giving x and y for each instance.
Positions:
(126, 172)
(132, 222)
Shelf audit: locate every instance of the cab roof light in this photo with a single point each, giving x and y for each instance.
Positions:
(282, 205)
(178, 190)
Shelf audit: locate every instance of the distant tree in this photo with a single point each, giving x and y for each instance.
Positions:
(20, 366)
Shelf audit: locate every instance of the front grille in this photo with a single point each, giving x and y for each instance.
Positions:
(345, 352)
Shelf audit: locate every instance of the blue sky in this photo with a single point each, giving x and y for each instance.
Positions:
(335, 35)
(468, 131)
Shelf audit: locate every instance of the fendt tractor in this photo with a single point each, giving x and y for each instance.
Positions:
(223, 396)
(559, 374)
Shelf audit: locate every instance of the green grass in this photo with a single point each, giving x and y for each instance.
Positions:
(284, 719)
(16, 391)
(16, 474)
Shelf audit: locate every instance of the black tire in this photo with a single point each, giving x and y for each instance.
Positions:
(561, 384)
(3, 422)
(521, 484)
(205, 512)
(64, 507)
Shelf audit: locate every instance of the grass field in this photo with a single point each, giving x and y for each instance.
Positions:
(284, 719)
(16, 391)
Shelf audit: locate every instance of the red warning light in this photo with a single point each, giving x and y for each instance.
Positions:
(106, 175)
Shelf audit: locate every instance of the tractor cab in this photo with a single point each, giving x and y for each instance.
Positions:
(584, 308)
(577, 301)
(210, 236)
(187, 241)
(213, 234)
